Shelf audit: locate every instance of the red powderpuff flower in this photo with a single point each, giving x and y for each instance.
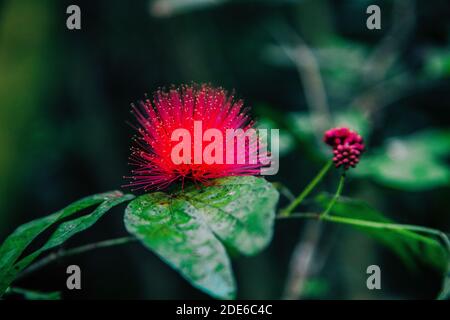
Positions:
(179, 108)
(347, 146)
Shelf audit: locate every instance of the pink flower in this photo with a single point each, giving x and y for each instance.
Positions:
(184, 108)
(347, 146)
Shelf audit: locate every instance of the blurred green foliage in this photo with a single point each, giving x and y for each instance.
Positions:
(36, 295)
(303, 65)
(25, 61)
(414, 163)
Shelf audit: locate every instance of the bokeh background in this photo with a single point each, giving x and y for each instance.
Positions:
(302, 65)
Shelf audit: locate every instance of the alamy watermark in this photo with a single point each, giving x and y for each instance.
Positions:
(235, 147)
(374, 279)
(73, 21)
(73, 281)
(374, 20)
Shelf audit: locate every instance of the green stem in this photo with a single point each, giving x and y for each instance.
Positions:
(374, 224)
(287, 211)
(74, 251)
(335, 197)
(364, 223)
(391, 226)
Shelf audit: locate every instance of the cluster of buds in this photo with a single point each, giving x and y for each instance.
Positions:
(347, 146)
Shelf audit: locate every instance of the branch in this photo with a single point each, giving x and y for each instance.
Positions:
(70, 252)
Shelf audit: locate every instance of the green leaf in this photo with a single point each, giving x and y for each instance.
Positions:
(240, 211)
(412, 163)
(184, 242)
(16, 243)
(433, 142)
(184, 228)
(35, 295)
(19, 240)
(408, 245)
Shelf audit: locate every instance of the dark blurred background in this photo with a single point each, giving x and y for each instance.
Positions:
(303, 66)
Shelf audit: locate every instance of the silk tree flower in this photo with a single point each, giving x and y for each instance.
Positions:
(187, 108)
(347, 146)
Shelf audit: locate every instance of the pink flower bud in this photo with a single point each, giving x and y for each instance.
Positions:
(347, 146)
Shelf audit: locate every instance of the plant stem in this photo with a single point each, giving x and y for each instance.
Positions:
(335, 197)
(390, 226)
(287, 211)
(357, 222)
(74, 251)
(373, 224)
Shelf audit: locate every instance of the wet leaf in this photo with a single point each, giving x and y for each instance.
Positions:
(188, 229)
